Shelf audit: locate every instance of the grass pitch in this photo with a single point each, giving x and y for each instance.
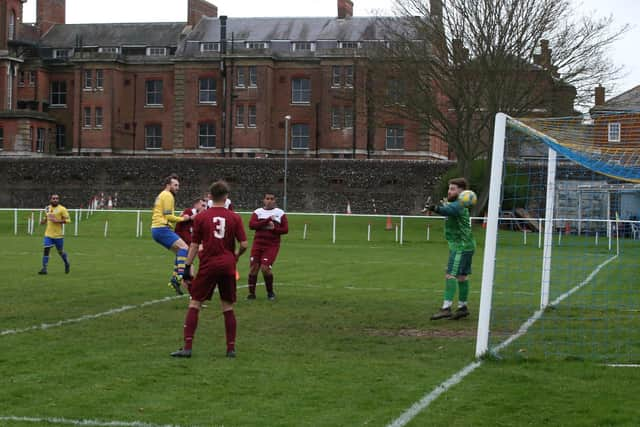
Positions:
(348, 341)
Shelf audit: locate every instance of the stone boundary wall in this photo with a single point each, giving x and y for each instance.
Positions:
(313, 185)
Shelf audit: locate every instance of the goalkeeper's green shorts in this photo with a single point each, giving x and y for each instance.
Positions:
(459, 263)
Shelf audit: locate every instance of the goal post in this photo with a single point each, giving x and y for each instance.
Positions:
(563, 179)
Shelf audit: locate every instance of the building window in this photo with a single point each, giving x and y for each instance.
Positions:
(303, 47)
(1, 138)
(40, 140)
(335, 118)
(301, 91)
(207, 135)
(253, 115)
(300, 136)
(336, 76)
(86, 117)
(99, 117)
(10, 88)
(207, 91)
(348, 76)
(154, 92)
(32, 78)
(109, 49)
(153, 137)
(240, 116)
(209, 47)
(257, 45)
(12, 25)
(156, 51)
(58, 93)
(60, 137)
(99, 79)
(348, 45)
(348, 118)
(253, 76)
(395, 92)
(395, 138)
(21, 78)
(88, 79)
(614, 132)
(240, 77)
(61, 53)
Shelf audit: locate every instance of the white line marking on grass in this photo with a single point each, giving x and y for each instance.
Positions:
(67, 421)
(423, 403)
(623, 365)
(45, 326)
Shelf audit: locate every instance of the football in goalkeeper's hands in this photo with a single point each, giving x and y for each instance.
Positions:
(468, 198)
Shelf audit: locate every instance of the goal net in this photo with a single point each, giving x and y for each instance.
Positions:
(562, 248)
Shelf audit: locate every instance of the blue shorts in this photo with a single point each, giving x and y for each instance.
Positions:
(165, 236)
(58, 243)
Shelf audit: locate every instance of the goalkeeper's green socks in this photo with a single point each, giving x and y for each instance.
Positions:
(449, 292)
(463, 294)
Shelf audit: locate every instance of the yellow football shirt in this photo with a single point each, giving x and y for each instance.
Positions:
(54, 229)
(163, 210)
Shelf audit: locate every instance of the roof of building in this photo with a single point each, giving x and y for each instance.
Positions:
(293, 29)
(161, 34)
(626, 101)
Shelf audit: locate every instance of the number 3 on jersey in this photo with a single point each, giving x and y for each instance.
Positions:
(220, 226)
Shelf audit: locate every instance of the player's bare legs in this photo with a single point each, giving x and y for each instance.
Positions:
(254, 268)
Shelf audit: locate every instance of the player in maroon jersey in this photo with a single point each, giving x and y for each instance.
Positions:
(185, 228)
(270, 223)
(217, 229)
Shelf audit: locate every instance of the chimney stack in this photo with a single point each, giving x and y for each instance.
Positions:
(197, 9)
(345, 9)
(599, 95)
(50, 13)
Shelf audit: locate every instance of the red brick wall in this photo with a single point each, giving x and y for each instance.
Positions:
(49, 13)
(199, 8)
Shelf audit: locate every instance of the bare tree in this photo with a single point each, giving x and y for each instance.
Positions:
(452, 65)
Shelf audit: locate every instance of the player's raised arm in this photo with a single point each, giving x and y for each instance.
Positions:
(450, 209)
(256, 223)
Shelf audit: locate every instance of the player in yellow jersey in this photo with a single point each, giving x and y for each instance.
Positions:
(162, 223)
(55, 216)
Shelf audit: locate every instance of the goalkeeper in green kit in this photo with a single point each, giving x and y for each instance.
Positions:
(461, 247)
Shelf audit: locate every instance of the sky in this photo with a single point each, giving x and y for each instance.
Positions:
(94, 11)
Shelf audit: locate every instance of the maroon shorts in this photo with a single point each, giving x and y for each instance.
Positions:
(205, 283)
(264, 255)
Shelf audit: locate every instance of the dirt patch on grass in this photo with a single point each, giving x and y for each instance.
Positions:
(423, 333)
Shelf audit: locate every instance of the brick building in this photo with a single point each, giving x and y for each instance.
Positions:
(212, 86)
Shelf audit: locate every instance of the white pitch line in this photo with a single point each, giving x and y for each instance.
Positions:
(45, 326)
(96, 423)
(423, 403)
(622, 365)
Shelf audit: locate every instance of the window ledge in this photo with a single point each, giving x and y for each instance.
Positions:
(208, 103)
(206, 148)
(57, 105)
(154, 106)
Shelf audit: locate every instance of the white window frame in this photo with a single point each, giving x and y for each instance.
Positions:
(41, 139)
(60, 137)
(301, 46)
(349, 45)
(35, 77)
(252, 116)
(156, 51)
(11, 35)
(87, 79)
(347, 116)
(21, 78)
(99, 118)
(336, 118)
(152, 138)
(59, 93)
(62, 53)
(336, 76)
(397, 134)
(1, 138)
(99, 78)
(252, 72)
(147, 93)
(301, 92)
(86, 117)
(613, 132)
(294, 137)
(240, 122)
(109, 49)
(210, 47)
(207, 91)
(348, 75)
(9, 87)
(206, 135)
(256, 45)
(241, 72)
